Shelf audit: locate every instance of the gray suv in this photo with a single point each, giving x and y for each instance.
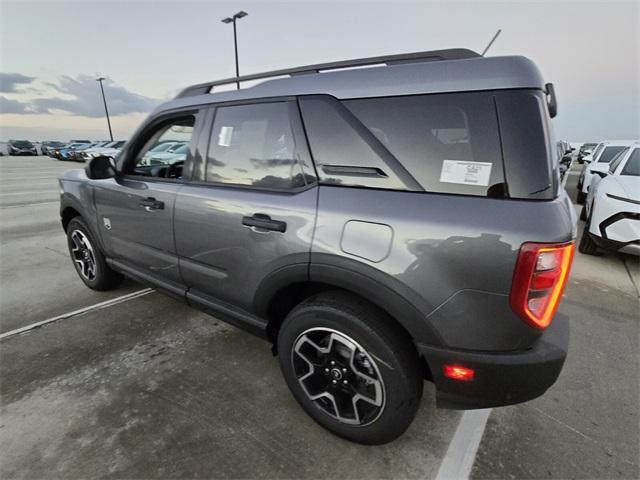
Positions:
(379, 225)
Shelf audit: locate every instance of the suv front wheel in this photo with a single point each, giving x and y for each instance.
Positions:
(351, 367)
(87, 258)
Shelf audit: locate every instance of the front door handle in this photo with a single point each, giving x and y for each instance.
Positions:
(264, 222)
(150, 204)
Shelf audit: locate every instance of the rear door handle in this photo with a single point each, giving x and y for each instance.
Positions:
(264, 222)
(151, 204)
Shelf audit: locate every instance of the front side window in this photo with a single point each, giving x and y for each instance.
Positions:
(151, 162)
(608, 153)
(632, 167)
(258, 145)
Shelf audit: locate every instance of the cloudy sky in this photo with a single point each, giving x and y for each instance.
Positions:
(52, 51)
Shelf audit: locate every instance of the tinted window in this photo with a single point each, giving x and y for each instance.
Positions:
(615, 161)
(150, 162)
(344, 151)
(449, 143)
(633, 164)
(608, 153)
(257, 145)
(597, 151)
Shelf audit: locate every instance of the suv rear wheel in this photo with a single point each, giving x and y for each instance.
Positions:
(350, 367)
(88, 259)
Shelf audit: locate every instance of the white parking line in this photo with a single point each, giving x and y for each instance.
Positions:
(458, 461)
(90, 308)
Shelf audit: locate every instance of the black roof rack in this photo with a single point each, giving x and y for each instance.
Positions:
(434, 55)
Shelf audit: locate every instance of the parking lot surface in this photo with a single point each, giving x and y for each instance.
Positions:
(150, 388)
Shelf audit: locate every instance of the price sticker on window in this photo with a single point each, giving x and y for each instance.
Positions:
(224, 137)
(466, 173)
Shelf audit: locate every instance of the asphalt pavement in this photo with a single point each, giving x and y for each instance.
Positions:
(147, 387)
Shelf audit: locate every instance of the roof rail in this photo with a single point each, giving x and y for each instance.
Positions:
(434, 55)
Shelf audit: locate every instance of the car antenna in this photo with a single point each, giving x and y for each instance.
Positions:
(491, 42)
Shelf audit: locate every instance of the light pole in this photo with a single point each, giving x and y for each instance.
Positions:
(104, 100)
(233, 19)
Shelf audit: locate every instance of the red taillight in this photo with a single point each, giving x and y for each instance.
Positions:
(458, 372)
(538, 281)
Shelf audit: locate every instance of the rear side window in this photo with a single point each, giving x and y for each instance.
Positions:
(632, 166)
(609, 153)
(527, 144)
(258, 145)
(344, 151)
(448, 142)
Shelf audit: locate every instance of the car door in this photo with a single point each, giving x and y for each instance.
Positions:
(251, 208)
(135, 209)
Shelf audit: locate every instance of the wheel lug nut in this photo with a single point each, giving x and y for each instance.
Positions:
(326, 370)
(344, 370)
(345, 382)
(332, 362)
(334, 381)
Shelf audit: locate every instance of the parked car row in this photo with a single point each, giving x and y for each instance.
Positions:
(565, 156)
(609, 189)
(83, 150)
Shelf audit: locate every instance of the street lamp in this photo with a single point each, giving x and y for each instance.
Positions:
(100, 79)
(233, 19)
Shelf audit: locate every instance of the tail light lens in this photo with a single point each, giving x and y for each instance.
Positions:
(538, 281)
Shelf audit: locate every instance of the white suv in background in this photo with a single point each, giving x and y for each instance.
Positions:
(612, 208)
(602, 155)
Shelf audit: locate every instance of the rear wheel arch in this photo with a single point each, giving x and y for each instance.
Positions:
(282, 291)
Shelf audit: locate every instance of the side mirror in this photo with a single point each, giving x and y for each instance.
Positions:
(100, 168)
(600, 174)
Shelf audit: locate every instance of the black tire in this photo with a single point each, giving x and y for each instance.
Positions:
(100, 276)
(583, 213)
(587, 245)
(581, 197)
(385, 350)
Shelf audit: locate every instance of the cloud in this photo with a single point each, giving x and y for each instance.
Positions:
(9, 81)
(13, 106)
(87, 99)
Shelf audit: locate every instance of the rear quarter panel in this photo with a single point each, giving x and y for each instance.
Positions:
(456, 254)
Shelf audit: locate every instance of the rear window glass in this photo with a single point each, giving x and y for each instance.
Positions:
(632, 166)
(448, 142)
(608, 153)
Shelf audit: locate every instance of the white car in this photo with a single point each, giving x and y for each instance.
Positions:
(613, 208)
(104, 148)
(160, 148)
(600, 159)
(176, 153)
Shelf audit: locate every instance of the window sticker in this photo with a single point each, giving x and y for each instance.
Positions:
(224, 137)
(466, 173)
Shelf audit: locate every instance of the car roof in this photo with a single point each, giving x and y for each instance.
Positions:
(474, 73)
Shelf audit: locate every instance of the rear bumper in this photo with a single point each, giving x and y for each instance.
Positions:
(500, 378)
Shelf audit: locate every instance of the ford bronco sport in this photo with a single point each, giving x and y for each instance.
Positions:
(378, 225)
